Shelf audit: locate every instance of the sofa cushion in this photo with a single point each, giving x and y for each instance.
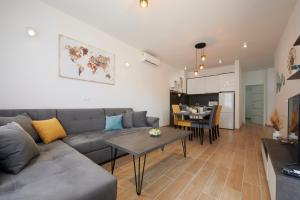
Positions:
(127, 119)
(116, 111)
(25, 121)
(113, 122)
(140, 119)
(49, 130)
(86, 142)
(81, 120)
(92, 141)
(17, 148)
(124, 131)
(153, 122)
(35, 114)
(60, 172)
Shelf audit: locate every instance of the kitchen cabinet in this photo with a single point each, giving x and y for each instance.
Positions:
(226, 82)
(196, 86)
(211, 84)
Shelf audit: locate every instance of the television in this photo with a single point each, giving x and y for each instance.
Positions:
(293, 122)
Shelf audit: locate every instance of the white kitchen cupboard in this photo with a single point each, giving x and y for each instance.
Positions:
(195, 86)
(212, 84)
(226, 82)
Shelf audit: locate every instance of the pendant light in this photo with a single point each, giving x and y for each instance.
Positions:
(200, 46)
(196, 72)
(144, 3)
(201, 66)
(196, 66)
(203, 56)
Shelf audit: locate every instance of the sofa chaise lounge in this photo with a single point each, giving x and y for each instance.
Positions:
(67, 169)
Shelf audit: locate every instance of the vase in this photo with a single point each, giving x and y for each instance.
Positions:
(276, 135)
(292, 136)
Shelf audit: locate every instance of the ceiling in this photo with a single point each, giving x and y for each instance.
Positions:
(169, 29)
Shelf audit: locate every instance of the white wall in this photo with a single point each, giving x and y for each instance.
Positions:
(271, 93)
(238, 95)
(291, 88)
(264, 77)
(29, 66)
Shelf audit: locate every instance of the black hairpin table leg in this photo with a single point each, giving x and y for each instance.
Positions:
(138, 175)
(113, 154)
(183, 143)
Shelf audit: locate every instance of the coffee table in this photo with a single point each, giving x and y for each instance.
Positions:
(139, 143)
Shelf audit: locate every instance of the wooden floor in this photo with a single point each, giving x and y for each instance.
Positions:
(231, 168)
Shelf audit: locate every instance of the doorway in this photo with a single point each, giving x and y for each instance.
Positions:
(254, 110)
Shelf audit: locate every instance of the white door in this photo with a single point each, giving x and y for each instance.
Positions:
(255, 103)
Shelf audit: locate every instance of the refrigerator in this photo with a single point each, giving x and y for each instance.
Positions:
(226, 100)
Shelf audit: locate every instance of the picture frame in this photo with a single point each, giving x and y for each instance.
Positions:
(84, 62)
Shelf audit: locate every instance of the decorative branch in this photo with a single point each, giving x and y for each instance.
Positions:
(275, 121)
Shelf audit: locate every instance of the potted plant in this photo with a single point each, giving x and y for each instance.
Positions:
(276, 124)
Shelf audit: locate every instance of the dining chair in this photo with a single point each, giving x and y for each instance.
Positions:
(206, 124)
(217, 121)
(182, 123)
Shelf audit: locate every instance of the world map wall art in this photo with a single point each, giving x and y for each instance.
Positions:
(84, 62)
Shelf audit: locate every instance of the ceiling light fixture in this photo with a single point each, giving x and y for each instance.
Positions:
(31, 32)
(196, 72)
(185, 68)
(144, 3)
(245, 45)
(127, 64)
(200, 46)
(220, 61)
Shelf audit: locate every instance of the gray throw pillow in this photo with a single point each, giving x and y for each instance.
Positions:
(17, 148)
(128, 119)
(25, 122)
(140, 119)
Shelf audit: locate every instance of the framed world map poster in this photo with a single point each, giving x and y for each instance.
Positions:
(84, 62)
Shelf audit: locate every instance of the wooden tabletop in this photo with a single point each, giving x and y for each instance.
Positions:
(140, 142)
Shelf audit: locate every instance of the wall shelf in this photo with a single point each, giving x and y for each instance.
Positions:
(295, 76)
(297, 42)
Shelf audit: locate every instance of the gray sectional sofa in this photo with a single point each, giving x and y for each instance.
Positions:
(67, 169)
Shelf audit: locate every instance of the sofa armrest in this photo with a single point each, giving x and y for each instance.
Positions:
(153, 122)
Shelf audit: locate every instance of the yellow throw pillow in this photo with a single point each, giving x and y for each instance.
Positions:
(49, 130)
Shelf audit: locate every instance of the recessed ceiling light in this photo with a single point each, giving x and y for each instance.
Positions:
(31, 32)
(144, 3)
(245, 45)
(220, 61)
(127, 64)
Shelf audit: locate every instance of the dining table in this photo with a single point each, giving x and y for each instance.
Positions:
(195, 117)
(192, 115)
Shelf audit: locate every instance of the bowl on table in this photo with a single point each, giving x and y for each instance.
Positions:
(155, 132)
